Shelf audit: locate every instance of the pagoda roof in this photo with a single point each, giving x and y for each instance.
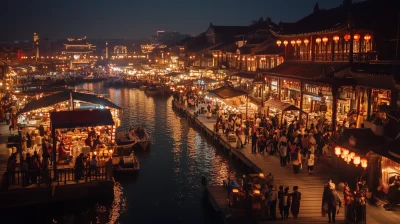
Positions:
(235, 30)
(307, 70)
(76, 41)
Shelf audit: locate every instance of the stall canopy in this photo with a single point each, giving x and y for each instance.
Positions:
(226, 92)
(360, 140)
(280, 105)
(80, 118)
(64, 96)
(173, 74)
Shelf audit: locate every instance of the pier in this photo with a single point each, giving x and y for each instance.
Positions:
(310, 186)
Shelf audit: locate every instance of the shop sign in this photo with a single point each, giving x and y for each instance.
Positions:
(316, 98)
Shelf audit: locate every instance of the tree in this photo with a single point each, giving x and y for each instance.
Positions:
(257, 22)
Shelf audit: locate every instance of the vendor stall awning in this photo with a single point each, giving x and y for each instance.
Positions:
(361, 140)
(226, 92)
(80, 118)
(246, 75)
(280, 105)
(306, 70)
(173, 74)
(64, 96)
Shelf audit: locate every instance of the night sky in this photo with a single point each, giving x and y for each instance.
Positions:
(58, 19)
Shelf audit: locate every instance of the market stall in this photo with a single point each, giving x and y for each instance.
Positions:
(277, 108)
(64, 121)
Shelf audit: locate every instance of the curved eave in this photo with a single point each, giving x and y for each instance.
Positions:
(329, 31)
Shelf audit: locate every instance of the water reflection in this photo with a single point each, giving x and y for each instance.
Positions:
(168, 188)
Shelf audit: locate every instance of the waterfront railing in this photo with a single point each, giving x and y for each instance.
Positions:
(47, 177)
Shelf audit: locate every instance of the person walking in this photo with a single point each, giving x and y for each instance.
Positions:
(254, 139)
(332, 199)
(282, 153)
(281, 204)
(310, 162)
(272, 199)
(295, 198)
(286, 203)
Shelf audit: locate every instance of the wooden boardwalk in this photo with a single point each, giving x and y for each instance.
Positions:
(311, 186)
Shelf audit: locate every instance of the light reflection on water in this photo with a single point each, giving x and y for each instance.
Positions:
(168, 187)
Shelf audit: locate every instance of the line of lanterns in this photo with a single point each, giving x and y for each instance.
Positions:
(347, 156)
(324, 40)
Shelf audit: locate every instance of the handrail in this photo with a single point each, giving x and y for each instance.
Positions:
(47, 176)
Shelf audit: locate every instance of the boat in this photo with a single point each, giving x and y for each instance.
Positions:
(125, 161)
(143, 141)
(124, 142)
(152, 90)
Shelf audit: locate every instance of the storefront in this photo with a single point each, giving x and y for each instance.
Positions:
(282, 111)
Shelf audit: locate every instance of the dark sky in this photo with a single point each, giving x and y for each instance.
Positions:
(58, 19)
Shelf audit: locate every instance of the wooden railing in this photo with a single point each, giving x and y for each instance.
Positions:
(48, 177)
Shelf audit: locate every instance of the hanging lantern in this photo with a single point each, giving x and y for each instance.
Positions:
(278, 42)
(356, 37)
(367, 37)
(336, 38)
(347, 37)
(298, 42)
(338, 151)
(306, 41)
(364, 163)
(346, 152)
(347, 158)
(357, 160)
(318, 40)
(325, 40)
(352, 154)
(292, 42)
(285, 42)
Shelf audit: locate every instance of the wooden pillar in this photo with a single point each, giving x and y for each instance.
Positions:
(357, 96)
(332, 50)
(312, 46)
(301, 99)
(369, 96)
(335, 91)
(54, 152)
(279, 88)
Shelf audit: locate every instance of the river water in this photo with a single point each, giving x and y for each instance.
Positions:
(168, 186)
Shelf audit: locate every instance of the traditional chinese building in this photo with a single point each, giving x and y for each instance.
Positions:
(78, 51)
(333, 68)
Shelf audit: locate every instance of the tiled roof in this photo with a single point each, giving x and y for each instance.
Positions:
(307, 70)
(270, 49)
(226, 92)
(234, 30)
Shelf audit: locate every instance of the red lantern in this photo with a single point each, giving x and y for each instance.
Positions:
(367, 37)
(347, 37)
(285, 42)
(356, 37)
(325, 40)
(293, 43)
(336, 38)
(298, 42)
(306, 41)
(318, 40)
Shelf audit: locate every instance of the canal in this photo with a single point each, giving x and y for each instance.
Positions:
(168, 186)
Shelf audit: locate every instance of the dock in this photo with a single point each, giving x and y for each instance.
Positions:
(310, 186)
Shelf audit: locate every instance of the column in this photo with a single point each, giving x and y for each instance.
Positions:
(312, 46)
(279, 88)
(301, 99)
(332, 50)
(335, 91)
(369, 96)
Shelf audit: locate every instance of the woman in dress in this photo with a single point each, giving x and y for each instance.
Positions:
(295, 197)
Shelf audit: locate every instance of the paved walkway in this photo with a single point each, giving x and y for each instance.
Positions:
(311, 186)
(4, 133)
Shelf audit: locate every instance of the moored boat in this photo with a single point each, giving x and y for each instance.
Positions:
(125, 161)
(152, 91)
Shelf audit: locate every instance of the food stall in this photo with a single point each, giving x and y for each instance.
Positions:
(277, 108)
